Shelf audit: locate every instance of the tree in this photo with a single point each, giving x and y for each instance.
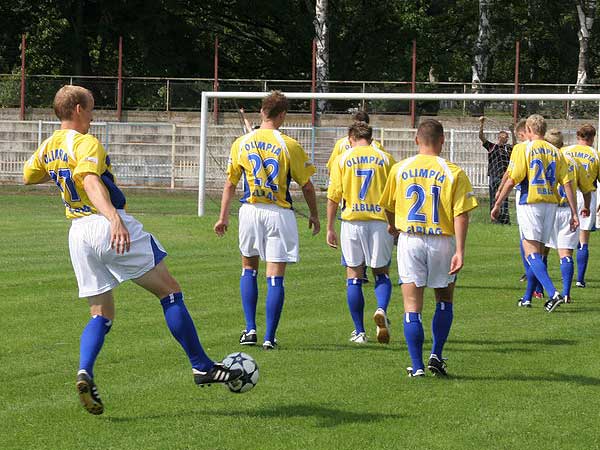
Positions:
(481, 55)
(586, 10)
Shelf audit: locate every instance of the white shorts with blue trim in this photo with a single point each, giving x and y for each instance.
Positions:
(425, 259)
(562, 237)
(536, 221)
(366, 242)
(587, 223)
(97, 266)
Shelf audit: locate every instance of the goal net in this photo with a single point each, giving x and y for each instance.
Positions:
(462, 146)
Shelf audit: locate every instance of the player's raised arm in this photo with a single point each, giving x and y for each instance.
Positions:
(481, 135)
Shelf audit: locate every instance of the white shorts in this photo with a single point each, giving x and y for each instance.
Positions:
(366, 242)
(562, 236)
(97, 266)
(425, 259)
(587, 223)
(536, 221)
(596, 213)
(268, 231)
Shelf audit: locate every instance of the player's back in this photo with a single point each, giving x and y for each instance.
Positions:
(268, 160)
(588, 158)
(426, 192)
(358, 177)
(65, 156)
(342, 145)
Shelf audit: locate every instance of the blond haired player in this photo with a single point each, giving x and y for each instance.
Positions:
(357, 180)
(563, 239)
(427, 199)
(267, 161)
(586, 155)
(107, 245)
(538, 170)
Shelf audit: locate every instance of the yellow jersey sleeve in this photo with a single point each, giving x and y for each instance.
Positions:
(388, 196)
(464, 198)
(340, 147)
(517, 166)
(34, 170)
(334, 190)
(90, 156)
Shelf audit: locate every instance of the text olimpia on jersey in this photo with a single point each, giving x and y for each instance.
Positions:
(65, 156)
(267, 161)
(357, 180)
(588, 158)
(342, 145)
(426, 192)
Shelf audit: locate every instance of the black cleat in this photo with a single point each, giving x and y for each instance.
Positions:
(580, 284)
(218, 374)
(415, 373)
(554, 303)
(88, 393)
(436, 366)
(524, 303)
(248, 337)
(523, 278)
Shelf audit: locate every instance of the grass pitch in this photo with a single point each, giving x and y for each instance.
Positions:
(519, 378)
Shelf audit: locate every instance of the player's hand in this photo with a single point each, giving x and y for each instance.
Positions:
(574, 223)
(456, 264)
(221, 227)
(314, 224)
(585, 212)
(119, 236)
(393, 231)
(482, 119)
(495, 212)
(332, 240)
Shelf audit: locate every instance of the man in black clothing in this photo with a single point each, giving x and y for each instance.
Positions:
(498, 159)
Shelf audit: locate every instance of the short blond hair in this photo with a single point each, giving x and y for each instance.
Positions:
(520, 125)
(537, 124)
(555, 137)
(68, 97)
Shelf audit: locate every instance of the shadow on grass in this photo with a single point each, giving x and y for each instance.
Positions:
(550, 377)
(545, 341)
(325, 417)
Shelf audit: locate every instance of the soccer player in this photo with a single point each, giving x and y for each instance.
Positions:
(427, 199)
(562, 238)
(586, 155)
(107, 245)
(357, 180)
(267, 160)
(538, 170)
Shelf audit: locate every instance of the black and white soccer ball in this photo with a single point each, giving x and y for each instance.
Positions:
(245, 362)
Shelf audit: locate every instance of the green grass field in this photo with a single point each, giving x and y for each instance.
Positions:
(521, 379)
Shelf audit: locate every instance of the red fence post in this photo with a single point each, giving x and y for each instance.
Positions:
(413, 84)
(22, 113)
(516, 102)
(120, 81)
(216, 82)
(313, 103)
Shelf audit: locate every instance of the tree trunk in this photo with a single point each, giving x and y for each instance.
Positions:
(586, 10)
(481, 55)
(322, 36)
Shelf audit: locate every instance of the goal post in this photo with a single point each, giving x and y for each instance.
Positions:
(208, 95)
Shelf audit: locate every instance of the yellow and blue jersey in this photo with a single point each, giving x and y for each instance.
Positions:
(580, 175)
(268, 160)
(357, 179)
(342, 145)
(425, 193)
(538, 169)
(66, 156)
(587, 157)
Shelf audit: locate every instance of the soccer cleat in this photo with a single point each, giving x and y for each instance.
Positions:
(217, 374)
(358, 338)
(554, 303)
(268, 345)
(523, 278)
(383, 326)
(416, 373)
(436, 366)
(580, 284)
(538, 295)
(524, 303)
(568, 299)
(248, 337)
(88, 393)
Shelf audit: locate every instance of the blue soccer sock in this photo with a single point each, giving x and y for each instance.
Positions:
(523, 259)
(249, 294)
(92, 339)
(541, 273)
(183, 330)
(414, 335)
(356, 303)
(383, 290)
(567, 269)
(440, 326)
(275, 299)
(583, 256)
(532, 283)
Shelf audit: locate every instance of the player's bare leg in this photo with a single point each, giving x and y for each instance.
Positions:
(412, 297)
(383, 290)
(102, 311)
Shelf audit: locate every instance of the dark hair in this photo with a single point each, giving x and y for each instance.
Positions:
(361, 116)
(586, 132)
(68, 97)
(274, 104)
(360, 130)
(430, 131)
